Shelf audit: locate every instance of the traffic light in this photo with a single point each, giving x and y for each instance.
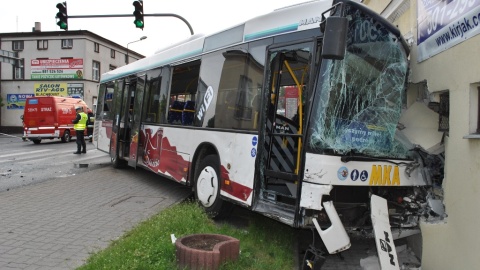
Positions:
(139, 23)
(62, 16)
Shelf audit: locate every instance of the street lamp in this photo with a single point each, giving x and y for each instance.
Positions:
(142, 38)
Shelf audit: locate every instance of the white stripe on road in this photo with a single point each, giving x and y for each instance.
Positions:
(68, 157)
(25, 152)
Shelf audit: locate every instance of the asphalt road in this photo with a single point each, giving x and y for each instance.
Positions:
(54, 213)
(23, 163)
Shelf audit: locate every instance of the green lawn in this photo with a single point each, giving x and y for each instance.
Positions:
(264, 243)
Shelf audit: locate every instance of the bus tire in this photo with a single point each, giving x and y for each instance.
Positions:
(207, 186)
(36, 141)
(66, 136)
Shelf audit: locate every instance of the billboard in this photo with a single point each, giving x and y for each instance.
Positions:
(17, 101)
(59, 89)
(444, 24)
(46, 69)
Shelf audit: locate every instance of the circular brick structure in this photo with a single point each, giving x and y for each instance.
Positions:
(206, 251)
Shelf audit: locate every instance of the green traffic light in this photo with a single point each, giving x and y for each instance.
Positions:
(138, 24)
(62, 25)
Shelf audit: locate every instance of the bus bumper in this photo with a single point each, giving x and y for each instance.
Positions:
(334, 237)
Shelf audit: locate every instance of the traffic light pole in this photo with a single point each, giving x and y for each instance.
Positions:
(128, 15)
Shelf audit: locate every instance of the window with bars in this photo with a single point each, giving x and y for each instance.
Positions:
(42, 44)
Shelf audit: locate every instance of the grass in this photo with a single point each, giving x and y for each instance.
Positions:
(264, 243)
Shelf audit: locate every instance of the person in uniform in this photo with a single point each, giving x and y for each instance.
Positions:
(80, 125)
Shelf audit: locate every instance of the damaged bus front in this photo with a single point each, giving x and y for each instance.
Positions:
(356, 146)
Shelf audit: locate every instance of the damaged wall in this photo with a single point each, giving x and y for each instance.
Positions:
(451, 243)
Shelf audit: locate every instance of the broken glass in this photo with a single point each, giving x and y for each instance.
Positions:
(359, 99)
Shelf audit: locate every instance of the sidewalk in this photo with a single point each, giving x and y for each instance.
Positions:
(57, 224)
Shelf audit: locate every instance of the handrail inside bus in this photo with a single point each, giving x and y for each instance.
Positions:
(300, 113)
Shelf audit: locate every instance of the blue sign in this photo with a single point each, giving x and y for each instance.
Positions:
(342, 173)
(17, 101)
(364, 176)
(253, 152)
(254, 141)
(354, 175)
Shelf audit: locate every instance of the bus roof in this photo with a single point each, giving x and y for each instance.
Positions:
(290, 19)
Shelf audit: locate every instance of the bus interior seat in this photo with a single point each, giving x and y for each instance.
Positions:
(188, 113)
(175, 112)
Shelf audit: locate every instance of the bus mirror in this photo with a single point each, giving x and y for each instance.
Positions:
(334, 39)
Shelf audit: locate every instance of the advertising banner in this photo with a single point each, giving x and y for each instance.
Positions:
(75, 90)
(51, 89)
(17, 101)
(444, 24)
(59, 89)
(46, 69)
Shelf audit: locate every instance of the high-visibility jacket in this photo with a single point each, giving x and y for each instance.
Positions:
(82, 123)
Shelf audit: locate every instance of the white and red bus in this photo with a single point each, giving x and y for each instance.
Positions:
(293, 115)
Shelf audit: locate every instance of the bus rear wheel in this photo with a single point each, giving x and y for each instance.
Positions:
(207, 187)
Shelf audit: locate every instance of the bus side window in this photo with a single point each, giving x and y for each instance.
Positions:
(175, 112)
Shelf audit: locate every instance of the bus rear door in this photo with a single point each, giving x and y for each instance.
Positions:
(123, 108)
(136, 103)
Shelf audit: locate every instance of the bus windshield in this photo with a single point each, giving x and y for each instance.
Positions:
(358, 100)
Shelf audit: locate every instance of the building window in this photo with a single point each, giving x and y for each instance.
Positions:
(444, 112)
(96, 47)
(478, 111)
(67, 43)
(112, 67)
(112, 53)
(19, 71)
(17, 45)
(42, 44)
(96, 71)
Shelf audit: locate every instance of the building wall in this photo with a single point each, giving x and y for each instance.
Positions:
(452, 244)
(83, 48)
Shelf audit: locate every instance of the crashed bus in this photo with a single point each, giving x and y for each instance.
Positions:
(296, 114)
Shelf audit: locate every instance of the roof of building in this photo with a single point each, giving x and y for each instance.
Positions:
(65, 34)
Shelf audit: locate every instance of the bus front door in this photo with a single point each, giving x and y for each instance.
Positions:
(287, 76)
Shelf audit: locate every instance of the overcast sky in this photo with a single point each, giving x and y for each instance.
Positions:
(204, 16)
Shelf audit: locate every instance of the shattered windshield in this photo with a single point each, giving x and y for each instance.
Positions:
(359, 99)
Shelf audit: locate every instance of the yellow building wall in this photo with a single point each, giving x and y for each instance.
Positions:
(453, 244)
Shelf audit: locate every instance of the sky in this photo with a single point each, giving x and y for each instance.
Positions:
(204, 16)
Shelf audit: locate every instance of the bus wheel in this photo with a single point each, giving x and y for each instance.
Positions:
(36, 141)
(207, 186)
(66, 136)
